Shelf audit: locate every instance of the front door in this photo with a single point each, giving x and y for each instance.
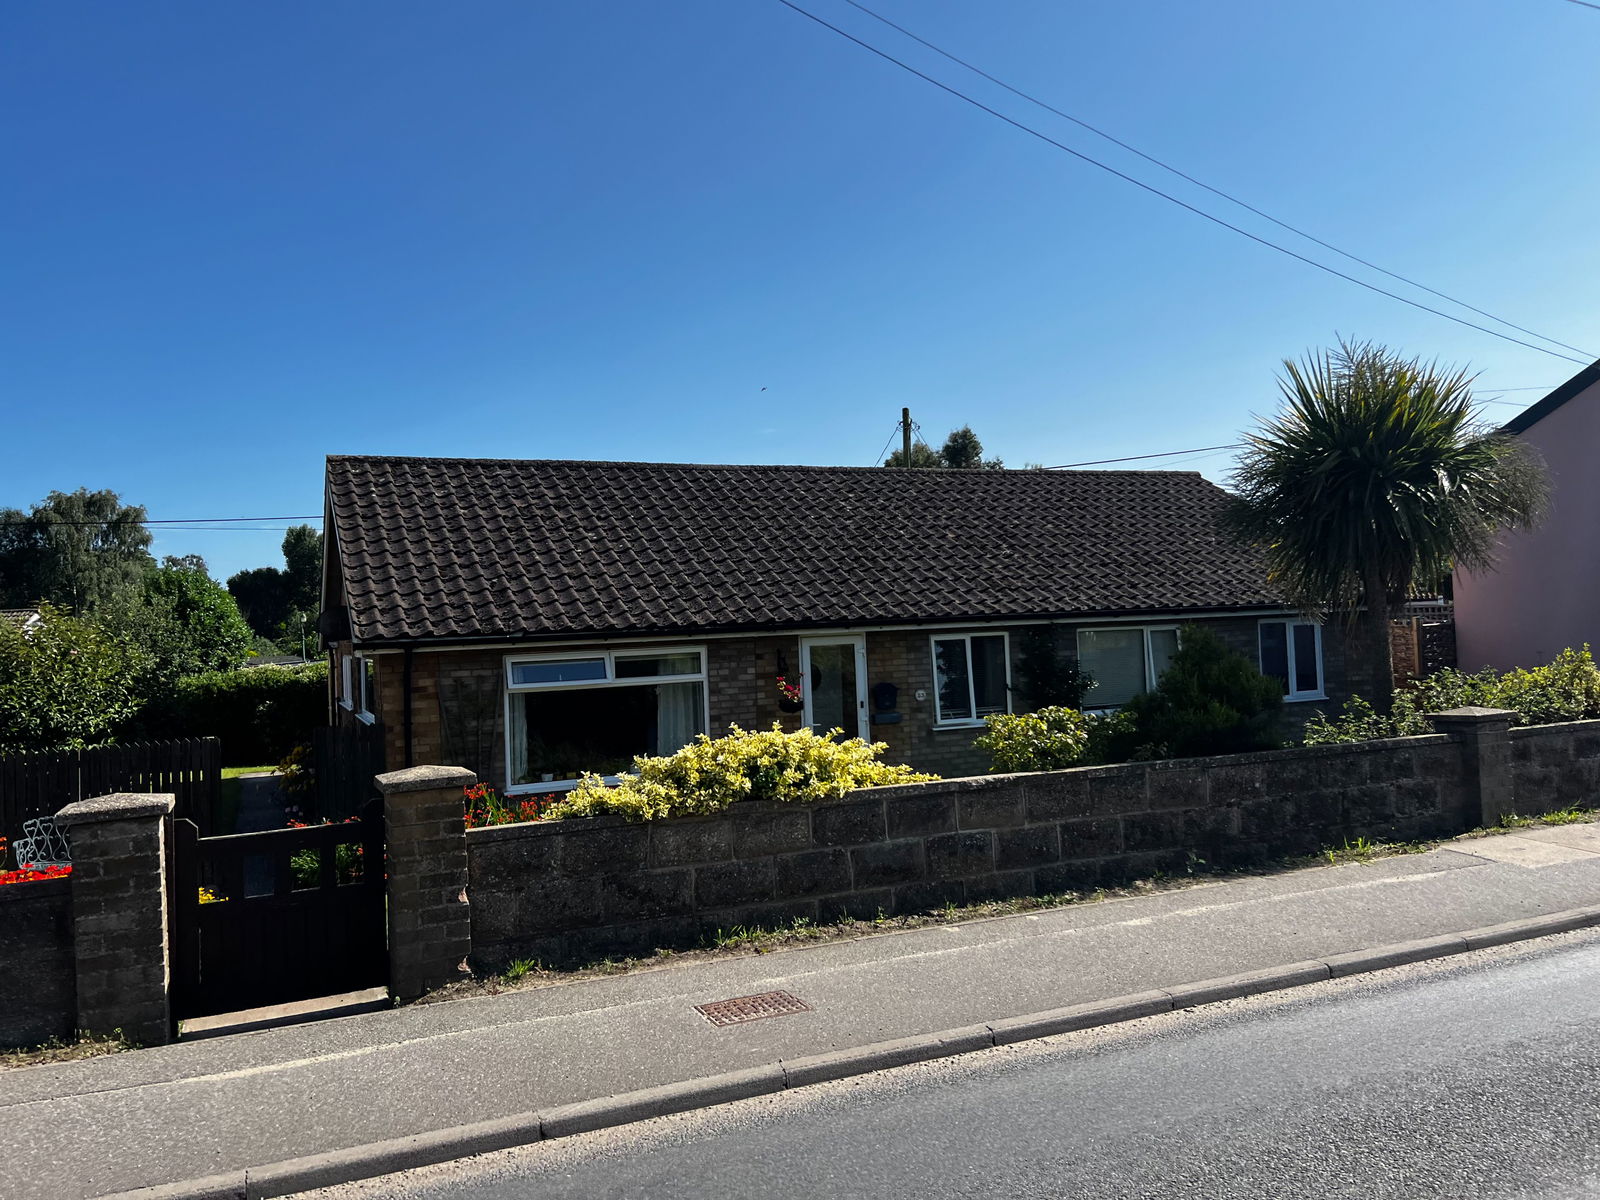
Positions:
(835, 674)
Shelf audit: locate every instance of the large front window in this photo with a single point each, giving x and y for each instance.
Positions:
(571, 713)
(971, 676)
(1124, 661)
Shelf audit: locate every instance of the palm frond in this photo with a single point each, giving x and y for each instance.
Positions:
(1376, 460)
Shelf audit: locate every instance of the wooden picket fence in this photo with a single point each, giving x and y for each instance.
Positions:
(189, 768)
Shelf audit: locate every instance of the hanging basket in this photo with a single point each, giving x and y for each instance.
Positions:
(791, 706)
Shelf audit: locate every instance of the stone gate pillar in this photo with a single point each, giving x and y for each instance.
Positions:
(119, 914)
(430, 925)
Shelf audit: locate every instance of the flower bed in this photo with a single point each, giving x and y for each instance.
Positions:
(484, 806)
(33, 874)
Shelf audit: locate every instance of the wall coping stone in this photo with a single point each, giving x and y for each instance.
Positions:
(119, 806)
(523, 829)
(1556, 727)
(1472, 714)
(424, 779)
(36, 889)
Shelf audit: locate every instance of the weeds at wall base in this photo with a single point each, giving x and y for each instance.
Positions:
(58, 1050)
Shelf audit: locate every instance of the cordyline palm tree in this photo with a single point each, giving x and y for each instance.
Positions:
(1375, 479)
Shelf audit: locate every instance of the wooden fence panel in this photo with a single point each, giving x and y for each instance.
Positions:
(189, 768)
(346, 757)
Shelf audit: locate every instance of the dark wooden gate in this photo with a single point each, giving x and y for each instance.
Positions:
(288, 914)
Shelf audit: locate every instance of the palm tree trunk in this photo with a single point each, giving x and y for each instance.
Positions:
(1375, 623)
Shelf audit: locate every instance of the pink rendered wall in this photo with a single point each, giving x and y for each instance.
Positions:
(1544, 594)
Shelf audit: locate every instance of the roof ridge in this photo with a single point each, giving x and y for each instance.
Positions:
(943, 473)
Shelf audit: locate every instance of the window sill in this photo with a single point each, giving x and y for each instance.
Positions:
(1309, 698)
(366, 718)
(937, 726)
(553, 785)
(347, 706)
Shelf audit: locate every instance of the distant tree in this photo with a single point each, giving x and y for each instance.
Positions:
(962, 451)
(302, 558)
(922, 455)
(74, 550)
(184, 621)
(65, 684)
(275, 601)
(1374, 480)
(262, 595)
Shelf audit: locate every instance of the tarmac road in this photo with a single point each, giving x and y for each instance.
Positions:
(1471, 1077)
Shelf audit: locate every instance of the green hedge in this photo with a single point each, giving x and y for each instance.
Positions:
(1565, 689)
(259, 713)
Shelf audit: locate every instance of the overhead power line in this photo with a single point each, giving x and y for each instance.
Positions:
(1584, 3)
(1098, 462)
(1215, 191)
(172, 520)
(1153, 190)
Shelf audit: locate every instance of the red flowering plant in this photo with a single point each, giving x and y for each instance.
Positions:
(789, 692)
(484, 806)
(30, 874)
(34, 874)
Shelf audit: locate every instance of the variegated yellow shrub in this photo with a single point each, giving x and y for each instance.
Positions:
(709, 774)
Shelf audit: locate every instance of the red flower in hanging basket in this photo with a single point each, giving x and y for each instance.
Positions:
(789, 691)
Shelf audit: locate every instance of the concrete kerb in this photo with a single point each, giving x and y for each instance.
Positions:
(426, 1149)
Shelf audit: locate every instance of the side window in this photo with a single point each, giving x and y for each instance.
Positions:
(369, 686)
(1291, 653)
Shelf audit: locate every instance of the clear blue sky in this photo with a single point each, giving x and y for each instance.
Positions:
(238, 237)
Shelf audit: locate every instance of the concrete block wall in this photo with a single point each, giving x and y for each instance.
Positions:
(1555, 767)
(38, 987)
(583, 889)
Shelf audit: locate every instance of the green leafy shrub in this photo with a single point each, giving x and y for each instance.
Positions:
(709, 774)
(65, 684)
(1109, 736)
(1046, 740)
(1210, 700)
(1565, 689)
(260, 713)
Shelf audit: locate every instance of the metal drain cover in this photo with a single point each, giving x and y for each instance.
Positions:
(751, 1008)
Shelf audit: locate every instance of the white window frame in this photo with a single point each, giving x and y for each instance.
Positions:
(610, 657)
(1295, 692)
(1145, 631)
(974, 721)
(344, 682)
(365, 711)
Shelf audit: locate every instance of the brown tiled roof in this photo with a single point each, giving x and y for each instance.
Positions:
(494, 549)
(20, 617)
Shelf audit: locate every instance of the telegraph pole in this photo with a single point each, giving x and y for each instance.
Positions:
(905, 437)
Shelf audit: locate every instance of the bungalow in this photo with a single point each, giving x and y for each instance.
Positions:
(533, 620)
(1540, 598)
